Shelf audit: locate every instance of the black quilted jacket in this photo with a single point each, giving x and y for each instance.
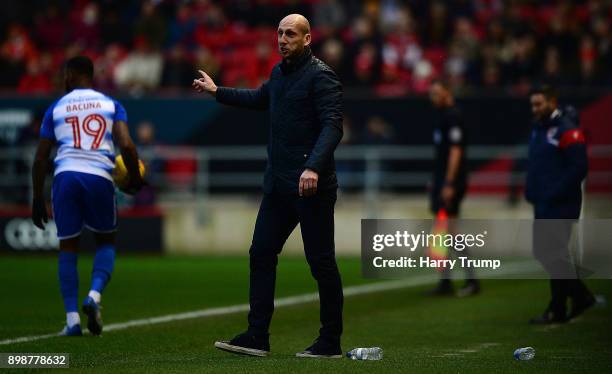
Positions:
(304, 100)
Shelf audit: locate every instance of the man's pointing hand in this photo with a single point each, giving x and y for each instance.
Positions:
(205, 84)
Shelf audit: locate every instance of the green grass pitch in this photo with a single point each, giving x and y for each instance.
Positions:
(417, 333)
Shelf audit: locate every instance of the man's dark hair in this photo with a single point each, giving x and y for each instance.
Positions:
(549, 92)
(81, 66)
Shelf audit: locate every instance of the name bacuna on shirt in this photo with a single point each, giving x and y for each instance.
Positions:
(83, 106)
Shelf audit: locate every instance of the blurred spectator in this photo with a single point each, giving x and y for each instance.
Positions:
(390, 14)
(105, 66)
(84, 27)
(603, 39)
(332, 53)
(523, 67)
(393, 47)
(487, 71)
(17, 45)
(151, 25)
(552, 73)
(518, 17)
(206, 61)
(329, 14)
(401, 51)
(178, 70)
(456, 66)
(561, 34)
(437, 27)
(112, 28)
(491, 76)
(181, 28)
(265, 59)
(465, 51)
(35, 81)
(465, 38)
(495, 33)
(422, 77)
(15, 49)
(141, 70)
(366, 64)
(589, 71)
(51, 28)
(213, 30)
(366, 54)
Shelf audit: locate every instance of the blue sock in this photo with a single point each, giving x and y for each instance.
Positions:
(103, 265)
(69, 280)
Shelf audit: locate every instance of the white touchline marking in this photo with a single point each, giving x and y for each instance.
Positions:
(551, 327)
(25, 339)
(478, 348)
(281, 302)
(487, 345)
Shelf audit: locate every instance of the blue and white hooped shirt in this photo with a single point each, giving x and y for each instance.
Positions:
(81, 122)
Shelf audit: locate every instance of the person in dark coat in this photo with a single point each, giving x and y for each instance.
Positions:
(304, 99)
(557, 166)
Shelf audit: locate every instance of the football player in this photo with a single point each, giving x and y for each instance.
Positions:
(83, 124)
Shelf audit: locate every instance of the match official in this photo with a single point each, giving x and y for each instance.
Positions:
(557, 167)
(450, 174)
(304, 99)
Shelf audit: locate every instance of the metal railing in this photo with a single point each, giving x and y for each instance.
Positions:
(368, 169)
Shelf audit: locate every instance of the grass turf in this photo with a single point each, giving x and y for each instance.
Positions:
(417, 333)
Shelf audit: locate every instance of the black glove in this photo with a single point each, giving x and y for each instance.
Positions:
(39, 213)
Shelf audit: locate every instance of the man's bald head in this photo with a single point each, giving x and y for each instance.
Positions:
(293, 36)
(298, 21)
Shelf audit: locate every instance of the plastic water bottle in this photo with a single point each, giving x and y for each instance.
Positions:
(524, 354)
(374, 353)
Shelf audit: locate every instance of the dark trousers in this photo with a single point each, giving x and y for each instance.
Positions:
(551, 248)
(278, 215)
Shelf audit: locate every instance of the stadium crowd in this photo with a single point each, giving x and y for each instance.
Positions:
(391, 47)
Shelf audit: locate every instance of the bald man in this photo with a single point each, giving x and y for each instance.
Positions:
(304, 99)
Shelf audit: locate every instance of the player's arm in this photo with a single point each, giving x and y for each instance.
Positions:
(454, 161)
(247, 98)
(456, 140)
(40, 167)
(39, 172)
(121, 136)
